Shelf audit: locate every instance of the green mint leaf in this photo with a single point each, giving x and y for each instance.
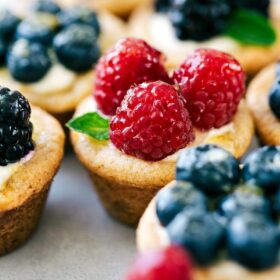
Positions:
(91, 124)
(250, 27)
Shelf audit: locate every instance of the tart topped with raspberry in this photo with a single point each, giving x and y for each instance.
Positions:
(249, 30)
(130, 133)
(264, 101)
(28, 136)
(225, 217)
(50, 53)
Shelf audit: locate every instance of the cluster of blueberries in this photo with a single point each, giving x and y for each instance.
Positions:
(201, 20)
(274, 94)
(216, 209)
(49, 34)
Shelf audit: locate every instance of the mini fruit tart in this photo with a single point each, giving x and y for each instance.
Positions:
(25, 174)
(49, 55)
(249, 30)
(130, 133)
(264, 101)
(224, 216)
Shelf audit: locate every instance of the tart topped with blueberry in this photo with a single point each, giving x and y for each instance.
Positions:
(49, 54)
(28, 136)
(264, 101)
(224, 216)
(129, 134)
(249, 30)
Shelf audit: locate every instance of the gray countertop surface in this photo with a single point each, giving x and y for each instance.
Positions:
(76, 239)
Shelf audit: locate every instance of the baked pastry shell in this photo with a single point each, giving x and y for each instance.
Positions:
(23, 197)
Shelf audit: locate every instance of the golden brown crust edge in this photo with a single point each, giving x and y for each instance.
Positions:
(23, 197)
(149, 237)
(268, 126)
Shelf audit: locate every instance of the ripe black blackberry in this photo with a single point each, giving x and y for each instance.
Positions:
(15, 127)
(261, 6)
(199, 19)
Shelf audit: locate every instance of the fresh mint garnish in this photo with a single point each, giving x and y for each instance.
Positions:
(250, 27)
(91, 124)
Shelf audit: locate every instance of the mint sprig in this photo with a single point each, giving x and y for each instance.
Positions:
(251, 27)
(91, 124)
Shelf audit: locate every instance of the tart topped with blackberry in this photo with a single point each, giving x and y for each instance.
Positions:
(49, 54)
(130, 133)
(224, 216)
(264, 101)
(249, 30)
(28, 136)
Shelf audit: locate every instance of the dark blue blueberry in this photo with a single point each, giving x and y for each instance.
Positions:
(199, 20)
(252, 241)
(3, 50)
(8, 24)
(210, 168)
(38, 28)
(277, 202)
(77, 48)
(262, 168)
(244, 199)
(274, 98)
(172, 200)
(162, 6)
(46, 6)
(80, 15)
(199, 233)
(28, 62)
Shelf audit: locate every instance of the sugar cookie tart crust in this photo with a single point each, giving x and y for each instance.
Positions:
(126, 184)
(251, 57)
(150, 235)
(268, 126)
(23, 196)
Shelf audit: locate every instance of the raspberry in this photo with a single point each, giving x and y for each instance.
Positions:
(213, 84)
(170, 263)
(152, 122)
(131, 61)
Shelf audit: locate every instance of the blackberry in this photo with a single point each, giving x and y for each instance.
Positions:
(40, 28)
(15, 127)
(199, 19)
(76, 47)
(28, 62)
(162, 6)
(260, 6)
(46, 6)
(80, 15)
(8, 24)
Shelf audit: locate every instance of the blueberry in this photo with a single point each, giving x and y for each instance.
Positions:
(8, 24)
(252, 241)
(28, 62)
(46, 6)
(262, 168)
(199, 233)
(40, 28)
(162, 6)
(76, 47)
(208, 167)
(274, 98)
(277, 202)
(80, 15)
(173, 200)
(244, 199)
(3, 50)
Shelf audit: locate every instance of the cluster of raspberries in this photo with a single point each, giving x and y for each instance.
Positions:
(154, 113)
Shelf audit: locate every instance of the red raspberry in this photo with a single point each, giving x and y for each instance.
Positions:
(152, 122)
(213, 84)
(170, 263)
(130, 62)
